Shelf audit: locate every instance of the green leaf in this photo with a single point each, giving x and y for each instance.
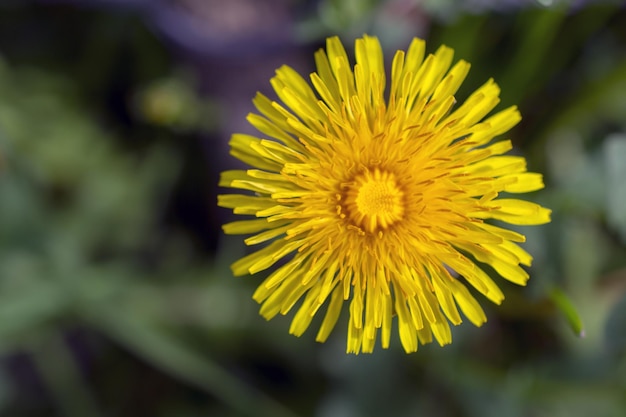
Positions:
(564, 304)
(23, 313)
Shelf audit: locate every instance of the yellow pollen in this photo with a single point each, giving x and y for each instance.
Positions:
(374, 201)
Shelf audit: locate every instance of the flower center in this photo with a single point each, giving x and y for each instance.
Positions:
(374, 201)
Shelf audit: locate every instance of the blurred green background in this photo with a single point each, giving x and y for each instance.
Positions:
(116, 297)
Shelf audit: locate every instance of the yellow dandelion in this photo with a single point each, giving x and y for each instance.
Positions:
(379, 199)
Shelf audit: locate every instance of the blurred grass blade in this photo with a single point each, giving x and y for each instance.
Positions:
(614, 331)
(173, 357)
(599, 99)
(615, 163)
(564, 304)
(27, 311)
(62, 377)
(539, 30)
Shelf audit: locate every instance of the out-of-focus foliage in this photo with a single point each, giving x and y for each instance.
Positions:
(115, 293)
(82, 245)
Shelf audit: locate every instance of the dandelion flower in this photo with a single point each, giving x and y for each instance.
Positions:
(380, 199)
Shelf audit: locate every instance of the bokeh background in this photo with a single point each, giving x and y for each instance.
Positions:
(116, 297)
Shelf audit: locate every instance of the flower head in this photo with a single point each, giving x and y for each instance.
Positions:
(379, 199)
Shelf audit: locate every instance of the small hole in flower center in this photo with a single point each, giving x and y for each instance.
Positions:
(374, 201)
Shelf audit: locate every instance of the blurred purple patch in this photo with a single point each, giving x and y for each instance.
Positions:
(485, 6)
(227, 28)
(217, 28)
